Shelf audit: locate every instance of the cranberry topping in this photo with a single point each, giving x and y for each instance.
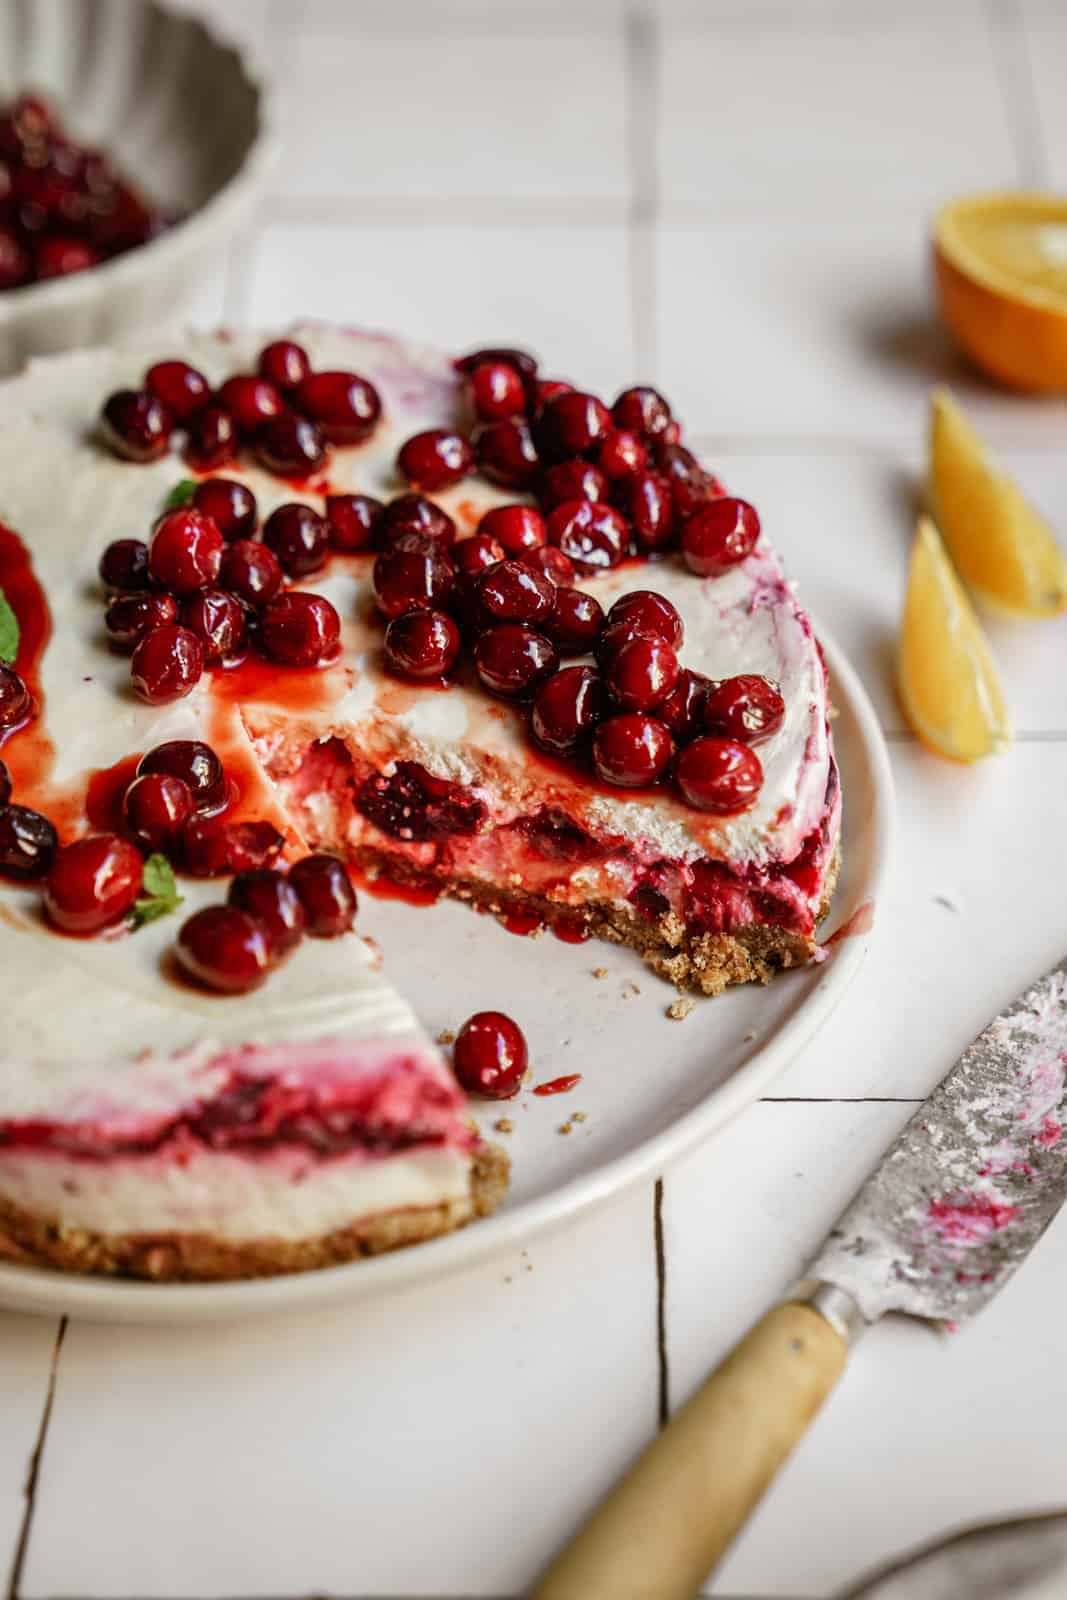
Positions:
(412, 574)
(632, 751)
(351, 521)
(572, 424)
(131, 615)
(212, 848)
(552, 563)
(212, 439)
(475, 554)
(251, 401)
(594, 536)
(521, 360)
(642, 672)
(28, 842)
(345, 406)
(513, 592)
(489, 1056)
(5, 784)
(545, 390)
(497, 391)
(718, 775)
(435, 459)
(683, 708)
(646, 499)
(299, 538)
(16, 263)
(136, 424)
(224, 948)
(167, 664)
(422, 644)
(195, 764)
(413, 513)
(650, 612)
(251, 572)
(554, 836)
(516, 528)
(691, 487)
(230, 505)
(291, 446)
(413, 804)
(566, 709)
(326, 894)
(269, 897)
(124, 565)
(284, 363)
(183, 389)
(186, 551)
(747, 708)
(643, 411)
(720, 536)
(572, 480)
(615, 635)
(92, 883)
(300, 630)
(218, 620)
(155, 808)
(512, 659)
(621, 454)
(505, 453)
(576, 622)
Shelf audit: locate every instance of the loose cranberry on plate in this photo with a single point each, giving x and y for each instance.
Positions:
(284, 363)
(219, 621)
(683, 708)
(642, 672)
(212, 439)
(435, 459)
(747, 708)
(552, 564)
(621, 455)
(352, 521)
(213, 848)
(269, 897)
(291, 446)
(513, 592)
(572, 480)
(506, 454)
(300, 630)
(720, 536)
(718, 775)
(155, 808)
(251, 401)
(124, 565)
(412, 574)
(497, 390)
(414, 513)
(490, 1056)
(186, 551)
(16, 702)
(595, 536)
(632, 751)
(643, 411)
(137, 425)
(647, 501)
(521, 360)
(28, 842)
(195, 764)
(183, 389)
(516, 528)
(422, 645)
(566, 709)
(512, 659)
(326, 893)
(93, 883)
(251, 572)
(345, 406)
(475, 554)
(230, 505)
(129, 616)
(577, 621)
(572, 424)
(5, 784)
(167, 664)
(299, 538)
(224, 949)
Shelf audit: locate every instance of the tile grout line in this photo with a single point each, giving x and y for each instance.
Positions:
(662, 1360)
(34, 1473)
(1007, 32)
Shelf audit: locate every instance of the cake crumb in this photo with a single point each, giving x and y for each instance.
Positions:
(504, 1125)
(749, 1036)
(564, 1127)
(577, 1116)
(600, 972)
(632, 989)
(678, 1010)
(447, 1036)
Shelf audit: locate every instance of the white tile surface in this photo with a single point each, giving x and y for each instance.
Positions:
(1045, 39)
(26, 1347)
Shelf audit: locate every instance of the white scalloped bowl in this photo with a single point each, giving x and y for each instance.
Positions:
(183, 115)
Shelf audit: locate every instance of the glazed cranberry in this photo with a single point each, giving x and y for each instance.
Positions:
(524, 363)
(621, 454)
(566, 709)
(506, 454)
(516, 528)
(720, 536)
(351, 521)
(252, 402)
(642, 672)
(269, 897)
(497, 391)
(576, 622)
(691, 487)
(422, 644)
(489, 1056)
(614, 636)
(28, 842)
(545, 390)
(650, 612)
(251, 572)
(16, 264)
(552, 563)
(16, 702)
(747, 708)
(512, 592)
(136, 425)
(167, 664)
(642, 411)
(131, 615)
(59, 255)
(345, 406)
(299, 538)
(647, 500)
(412, 574)
(475, 554)
(124, 565)
(5, 784)
(195, 764)
(218, 620)
(572, 480)
(230, 505)
(572, 424)
(413, 513)
(211, 848)
(632, 751)
(155, 808)
(284, 363)
(593, 535)
(683, 709)
(225, 949)
(183, 390)
(435, 459)
(300, 630)
(326, 894)
(93, 882)
(292, 447)
(511, 660)
(718, 775)
(186, 551)
(212, 439)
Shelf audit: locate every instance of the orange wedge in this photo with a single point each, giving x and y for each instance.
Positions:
(1000, 261)
(1003, 549)
(945, 673)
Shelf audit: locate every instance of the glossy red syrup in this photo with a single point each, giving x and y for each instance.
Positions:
(254, 680)
(522, 923)
(104, 792)
(28, 751)
(571, 930)
(559, 1085)
(385, 888)
(860, 922)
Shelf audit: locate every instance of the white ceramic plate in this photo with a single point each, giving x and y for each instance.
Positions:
(651, 1088)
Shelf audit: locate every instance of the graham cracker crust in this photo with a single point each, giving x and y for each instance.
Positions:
(199, 1258)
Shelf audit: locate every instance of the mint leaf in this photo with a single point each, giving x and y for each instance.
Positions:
(9, 632)
(160, 896)
(180, 495)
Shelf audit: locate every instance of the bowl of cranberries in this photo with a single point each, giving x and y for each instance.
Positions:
(118, 190)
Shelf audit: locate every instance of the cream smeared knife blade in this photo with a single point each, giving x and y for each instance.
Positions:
(972, 1182)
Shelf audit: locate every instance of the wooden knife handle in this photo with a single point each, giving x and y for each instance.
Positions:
(681, 1505)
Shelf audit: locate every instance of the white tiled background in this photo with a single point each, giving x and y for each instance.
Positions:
(729, 199)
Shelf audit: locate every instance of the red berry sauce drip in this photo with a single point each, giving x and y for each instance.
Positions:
(489, 1056)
